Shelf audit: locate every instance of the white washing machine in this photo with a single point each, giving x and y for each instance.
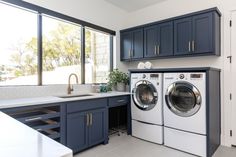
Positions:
(185, 112)
(146, 106)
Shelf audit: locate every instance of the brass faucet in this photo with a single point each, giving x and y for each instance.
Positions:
(70, 87)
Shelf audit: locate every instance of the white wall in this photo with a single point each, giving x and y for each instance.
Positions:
(172, 8)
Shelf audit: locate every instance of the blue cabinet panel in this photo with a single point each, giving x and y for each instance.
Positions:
(126, 45)
(77, 131)
(132, 44)
(202, 34)
(158, 40)
(137, 46)
(165, 39)
(87, 123)
(183, 36)
(97, 126)
(150, 41)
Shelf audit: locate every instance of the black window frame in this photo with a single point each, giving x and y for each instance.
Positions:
(40, 11)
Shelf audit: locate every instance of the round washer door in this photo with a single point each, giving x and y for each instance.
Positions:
(145, 95)
(183, 99)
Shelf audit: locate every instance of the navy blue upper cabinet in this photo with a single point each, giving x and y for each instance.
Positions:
(132, 45)
(183, 36)
(137, 47)
(165, 39)
(126, 45)
(158, 40)
(150, 41)
(202, 33)
(194, 34)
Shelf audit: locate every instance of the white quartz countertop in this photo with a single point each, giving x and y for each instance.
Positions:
(19, 140)
(54, 99)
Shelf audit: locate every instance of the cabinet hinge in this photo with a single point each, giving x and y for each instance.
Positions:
(230, 59)
(231, 133)
(230, 96)
(230, 23)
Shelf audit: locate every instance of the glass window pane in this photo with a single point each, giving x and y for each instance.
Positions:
(61, 50)
(18, 48)
(97, 56)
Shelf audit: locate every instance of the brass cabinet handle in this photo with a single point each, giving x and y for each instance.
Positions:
(158, 49)
(193, 45)
(87, 119)
(189, 46)
(91, 119)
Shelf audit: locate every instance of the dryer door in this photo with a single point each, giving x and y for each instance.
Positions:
(183, 99)
(145, 95)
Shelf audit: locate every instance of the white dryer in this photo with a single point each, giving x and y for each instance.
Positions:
(185, 112)
(146, 106)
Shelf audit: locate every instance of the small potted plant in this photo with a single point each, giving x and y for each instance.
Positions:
(118, 80)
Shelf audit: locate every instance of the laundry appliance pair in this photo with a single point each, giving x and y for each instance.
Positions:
(180, 109)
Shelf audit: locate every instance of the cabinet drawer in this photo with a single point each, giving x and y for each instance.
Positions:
(118, 101)
(86, 105)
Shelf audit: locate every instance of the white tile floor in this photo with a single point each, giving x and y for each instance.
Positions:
(127, 146)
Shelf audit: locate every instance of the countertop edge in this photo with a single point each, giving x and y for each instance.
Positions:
(10, 104)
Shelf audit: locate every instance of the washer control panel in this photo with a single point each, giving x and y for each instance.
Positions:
(181, 76)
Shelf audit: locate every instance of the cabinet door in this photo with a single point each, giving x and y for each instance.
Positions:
(150, 41)
(165, 39)
(202, 33)
(126, 45)
(183, 36)
(77, 128)
(97, 126)
(137, 46)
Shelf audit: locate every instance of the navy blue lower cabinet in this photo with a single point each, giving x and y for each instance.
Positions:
(97, 127)
(87, 124)
(86, 129)
(77, 131)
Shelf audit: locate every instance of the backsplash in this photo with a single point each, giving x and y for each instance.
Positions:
(40, 91)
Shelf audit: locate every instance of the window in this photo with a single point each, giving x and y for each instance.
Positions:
(97, 56)
(18, 48)
(61, 50)
(39, 46)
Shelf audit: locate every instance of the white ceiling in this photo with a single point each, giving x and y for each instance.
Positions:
(133, 5)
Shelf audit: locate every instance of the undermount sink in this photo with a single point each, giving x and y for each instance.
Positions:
(75, 96)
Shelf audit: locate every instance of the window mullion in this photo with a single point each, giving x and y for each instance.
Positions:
(111, 52)
(82, 55)
(40, 49)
